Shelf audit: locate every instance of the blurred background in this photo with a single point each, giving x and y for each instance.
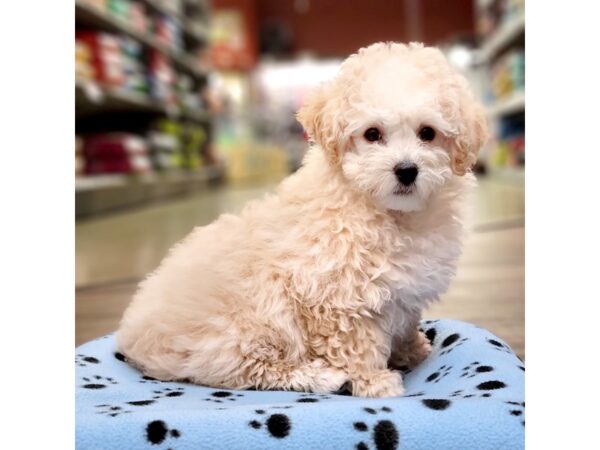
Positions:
(185, 110)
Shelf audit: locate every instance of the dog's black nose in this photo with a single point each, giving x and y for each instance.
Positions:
(406, 173)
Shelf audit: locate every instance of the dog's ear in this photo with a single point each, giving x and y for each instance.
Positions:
(472, 133)
(321, 116)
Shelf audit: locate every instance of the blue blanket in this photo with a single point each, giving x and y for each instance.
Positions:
(468, 394)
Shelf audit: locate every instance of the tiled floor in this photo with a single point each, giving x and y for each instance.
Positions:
(114, 252)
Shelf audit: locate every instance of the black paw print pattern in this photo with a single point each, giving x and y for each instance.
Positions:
(222, 396)
(97, 382)
(456, 393)
(111, 410)
(517, 409)
(497, 345)
(461, 393)
(383, 435)
(451, 342)
(277, 425)
(312, 398)
(483, 389)
(375, 411)
(115, 410)
(437, 404)
(168, 392)
(416, 394)
(474, 369)
(158, 431)
(439, 374)
(85, 360)
(490, 385)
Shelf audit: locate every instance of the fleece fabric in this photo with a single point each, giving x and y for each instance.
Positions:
(467, 395)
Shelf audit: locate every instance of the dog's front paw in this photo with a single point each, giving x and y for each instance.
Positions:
(411, 354)
(378, 384)
(329, 380)
(419, 351)
(325, 379)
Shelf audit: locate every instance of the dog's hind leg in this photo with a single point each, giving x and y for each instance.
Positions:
(265, 366)
(409, 351)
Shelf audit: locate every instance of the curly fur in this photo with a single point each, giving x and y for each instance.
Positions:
(324, 282)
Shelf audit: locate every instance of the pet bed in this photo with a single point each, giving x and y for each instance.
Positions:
(468, 394)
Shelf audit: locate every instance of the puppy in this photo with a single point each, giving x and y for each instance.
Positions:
(323, 284)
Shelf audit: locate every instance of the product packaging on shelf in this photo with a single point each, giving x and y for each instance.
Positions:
(162, 78)
(174, 145)
(115, 63)
(84, 68)
(174, 7)
(109, 153)
(508, 74)
(98, 4)
(79, 158)
(510, 149)
(194, 140)
(134, 69)
(106, 56)
(138, 17)
(118, 8)
(168, 32)
(166, 137)
(189, 97)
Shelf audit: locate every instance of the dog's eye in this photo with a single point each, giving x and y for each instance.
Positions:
(372, 135)
(427, 134)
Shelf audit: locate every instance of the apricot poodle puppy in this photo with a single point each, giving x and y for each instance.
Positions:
(323, 284)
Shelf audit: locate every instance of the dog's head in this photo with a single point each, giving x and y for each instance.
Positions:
(398, 121)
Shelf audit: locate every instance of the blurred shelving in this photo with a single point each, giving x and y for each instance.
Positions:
(90, 183)
(161, 7)
(506, 34)
(192, 30)
(99, 182)
(91, 97)
(500, 62)
(106, 193)
(140, 103)
(87, 14)
(510, 105)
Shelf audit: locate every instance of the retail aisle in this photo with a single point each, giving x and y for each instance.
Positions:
(126, 246)
(113, 253)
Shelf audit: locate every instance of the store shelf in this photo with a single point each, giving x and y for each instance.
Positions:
(91, 97)
(99, 182)
(105, 193)
(199, 34)
(503, 37)
(89, 15)
(511, 105)
(159, 7)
